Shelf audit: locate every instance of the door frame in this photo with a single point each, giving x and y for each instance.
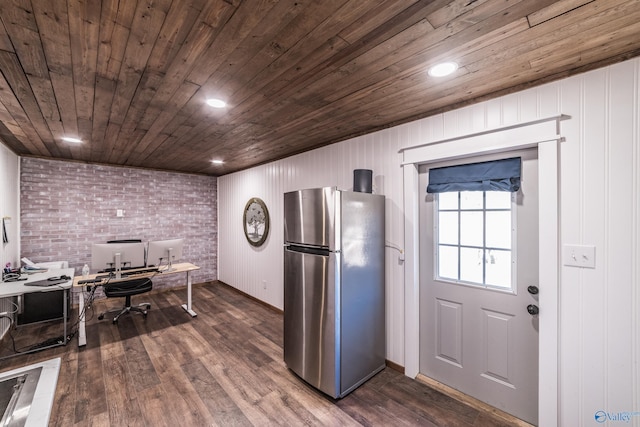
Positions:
(545, 135)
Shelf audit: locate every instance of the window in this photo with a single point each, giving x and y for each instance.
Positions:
(475, 235)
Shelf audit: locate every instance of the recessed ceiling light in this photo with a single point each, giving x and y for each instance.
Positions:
(71, 139)
(443, 69)
(216, 103)
(217, 162)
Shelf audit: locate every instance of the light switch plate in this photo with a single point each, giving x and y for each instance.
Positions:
(579, 256)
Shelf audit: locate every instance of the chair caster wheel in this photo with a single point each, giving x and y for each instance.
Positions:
(101, 317)
(115, 321)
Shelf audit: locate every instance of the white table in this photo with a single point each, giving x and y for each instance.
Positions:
(183, 267)
(19, 288)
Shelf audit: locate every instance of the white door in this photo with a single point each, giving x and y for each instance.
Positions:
(479, 278)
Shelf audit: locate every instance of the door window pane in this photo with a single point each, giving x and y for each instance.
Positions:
(498, 200)
(471, 200)
(498, 271)
(448, 228)
(498, 229)
(448, 262)
(471, 229)
(471, 265)
(447, 201)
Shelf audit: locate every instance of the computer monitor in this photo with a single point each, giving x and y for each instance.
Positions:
(117, 256)
(164, 250)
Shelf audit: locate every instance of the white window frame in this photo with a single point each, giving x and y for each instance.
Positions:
(513, 289)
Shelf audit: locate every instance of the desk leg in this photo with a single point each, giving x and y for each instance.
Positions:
(65, 296)
(82, 333)
(187, 306)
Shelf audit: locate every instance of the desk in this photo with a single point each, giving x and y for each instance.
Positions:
(19, 288)
(183, 267)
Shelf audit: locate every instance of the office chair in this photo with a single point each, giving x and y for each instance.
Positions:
(126, 289)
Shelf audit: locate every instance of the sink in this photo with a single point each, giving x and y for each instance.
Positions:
(16, 397)
(26, 394)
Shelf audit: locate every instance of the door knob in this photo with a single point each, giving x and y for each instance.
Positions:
(533, 309)
(533, 290)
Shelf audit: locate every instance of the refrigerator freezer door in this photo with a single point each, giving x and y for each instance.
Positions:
(311, 341)
(309, 217)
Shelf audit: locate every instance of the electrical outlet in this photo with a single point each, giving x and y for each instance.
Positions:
(264, 284)
(579, 256)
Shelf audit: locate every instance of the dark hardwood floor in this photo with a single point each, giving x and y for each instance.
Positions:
(224, 367)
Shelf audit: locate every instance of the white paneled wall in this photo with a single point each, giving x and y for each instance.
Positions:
(246, 267)
(600, 206)
(599, 321)
(9, 207)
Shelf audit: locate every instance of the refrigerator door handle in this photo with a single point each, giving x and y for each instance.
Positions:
(309, 249)
(303, 245)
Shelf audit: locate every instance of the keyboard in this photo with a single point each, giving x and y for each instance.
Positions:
(129, 273)
(135, 272)
(123, 274)
(96, 280)
(48, 282)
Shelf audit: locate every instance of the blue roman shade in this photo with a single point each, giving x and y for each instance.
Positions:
(496, 175)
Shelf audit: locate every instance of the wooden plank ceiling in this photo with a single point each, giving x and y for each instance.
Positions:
(130, 77)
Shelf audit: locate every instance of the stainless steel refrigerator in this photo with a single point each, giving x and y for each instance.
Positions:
(334, 305)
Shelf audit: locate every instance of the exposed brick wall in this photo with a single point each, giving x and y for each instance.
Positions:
(67, 206)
